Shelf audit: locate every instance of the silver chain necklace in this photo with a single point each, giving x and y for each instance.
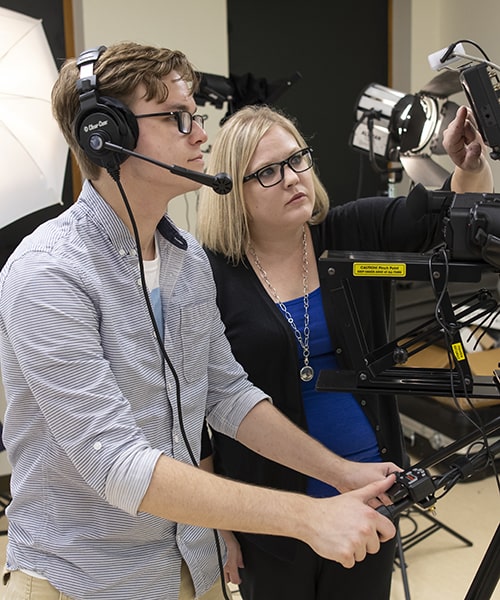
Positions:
(306, 372)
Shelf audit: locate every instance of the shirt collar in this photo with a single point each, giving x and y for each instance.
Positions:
(106, 218)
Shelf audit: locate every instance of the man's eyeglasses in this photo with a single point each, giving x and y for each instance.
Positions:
(183, 117)
(272, 174)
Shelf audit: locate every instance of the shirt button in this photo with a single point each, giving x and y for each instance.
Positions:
(383, 451)
(363, 402)
(176, 438)
(122, 252)
(97, 446)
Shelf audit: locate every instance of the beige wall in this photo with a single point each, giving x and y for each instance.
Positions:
(197, 27)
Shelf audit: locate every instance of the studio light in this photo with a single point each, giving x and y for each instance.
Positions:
(406, 129)
(372, 132)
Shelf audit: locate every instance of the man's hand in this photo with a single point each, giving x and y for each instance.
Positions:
(346, 529)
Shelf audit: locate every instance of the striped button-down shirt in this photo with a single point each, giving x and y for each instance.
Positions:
(91, 403)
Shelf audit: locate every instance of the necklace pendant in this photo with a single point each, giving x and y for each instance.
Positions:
(306, 373)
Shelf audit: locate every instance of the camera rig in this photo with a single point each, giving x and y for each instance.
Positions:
(417, 486)
(382, 370)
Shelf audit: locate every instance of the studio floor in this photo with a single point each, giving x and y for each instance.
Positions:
(440, 566)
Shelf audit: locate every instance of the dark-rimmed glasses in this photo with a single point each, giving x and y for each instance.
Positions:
(183, 117)
(273, 174)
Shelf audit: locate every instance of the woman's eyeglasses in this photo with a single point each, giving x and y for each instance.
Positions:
(272, 174)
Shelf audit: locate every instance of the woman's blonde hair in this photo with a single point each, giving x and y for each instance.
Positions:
(119, 70)
(222, 221)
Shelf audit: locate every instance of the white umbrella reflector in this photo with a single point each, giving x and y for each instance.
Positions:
(33, 152)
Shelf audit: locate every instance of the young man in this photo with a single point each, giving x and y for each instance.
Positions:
(113, 354)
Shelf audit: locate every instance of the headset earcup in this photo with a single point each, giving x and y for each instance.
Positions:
(109, 120)
(126, 121)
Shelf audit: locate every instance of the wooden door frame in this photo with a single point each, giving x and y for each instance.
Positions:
(69, 42)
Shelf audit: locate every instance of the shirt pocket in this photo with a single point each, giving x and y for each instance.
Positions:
(195, 340)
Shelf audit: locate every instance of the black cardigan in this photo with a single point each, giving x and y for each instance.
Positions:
(263, 342)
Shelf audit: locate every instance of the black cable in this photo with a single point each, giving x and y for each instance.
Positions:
(486, 324)
(407, 515)
(440, 252)
(448, 334)
(451, 49)
(115, 174)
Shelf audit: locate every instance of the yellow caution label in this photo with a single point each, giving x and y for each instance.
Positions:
(458, 351)
(377, 269)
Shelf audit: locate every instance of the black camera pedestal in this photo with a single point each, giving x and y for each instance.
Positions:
(374, 370)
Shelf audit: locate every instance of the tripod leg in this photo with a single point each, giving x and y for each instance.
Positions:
(488, 574)
(402, 564)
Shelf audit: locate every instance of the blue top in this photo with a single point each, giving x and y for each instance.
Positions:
(334, 418)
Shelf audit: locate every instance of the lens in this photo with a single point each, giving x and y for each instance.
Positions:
(301, 161)
(200, 120)
(270, 175)
(184, 121)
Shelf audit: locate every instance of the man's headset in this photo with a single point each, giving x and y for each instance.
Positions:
(107, 130)
(101, 119)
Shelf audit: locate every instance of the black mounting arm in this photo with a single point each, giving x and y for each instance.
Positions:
(382, 370)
